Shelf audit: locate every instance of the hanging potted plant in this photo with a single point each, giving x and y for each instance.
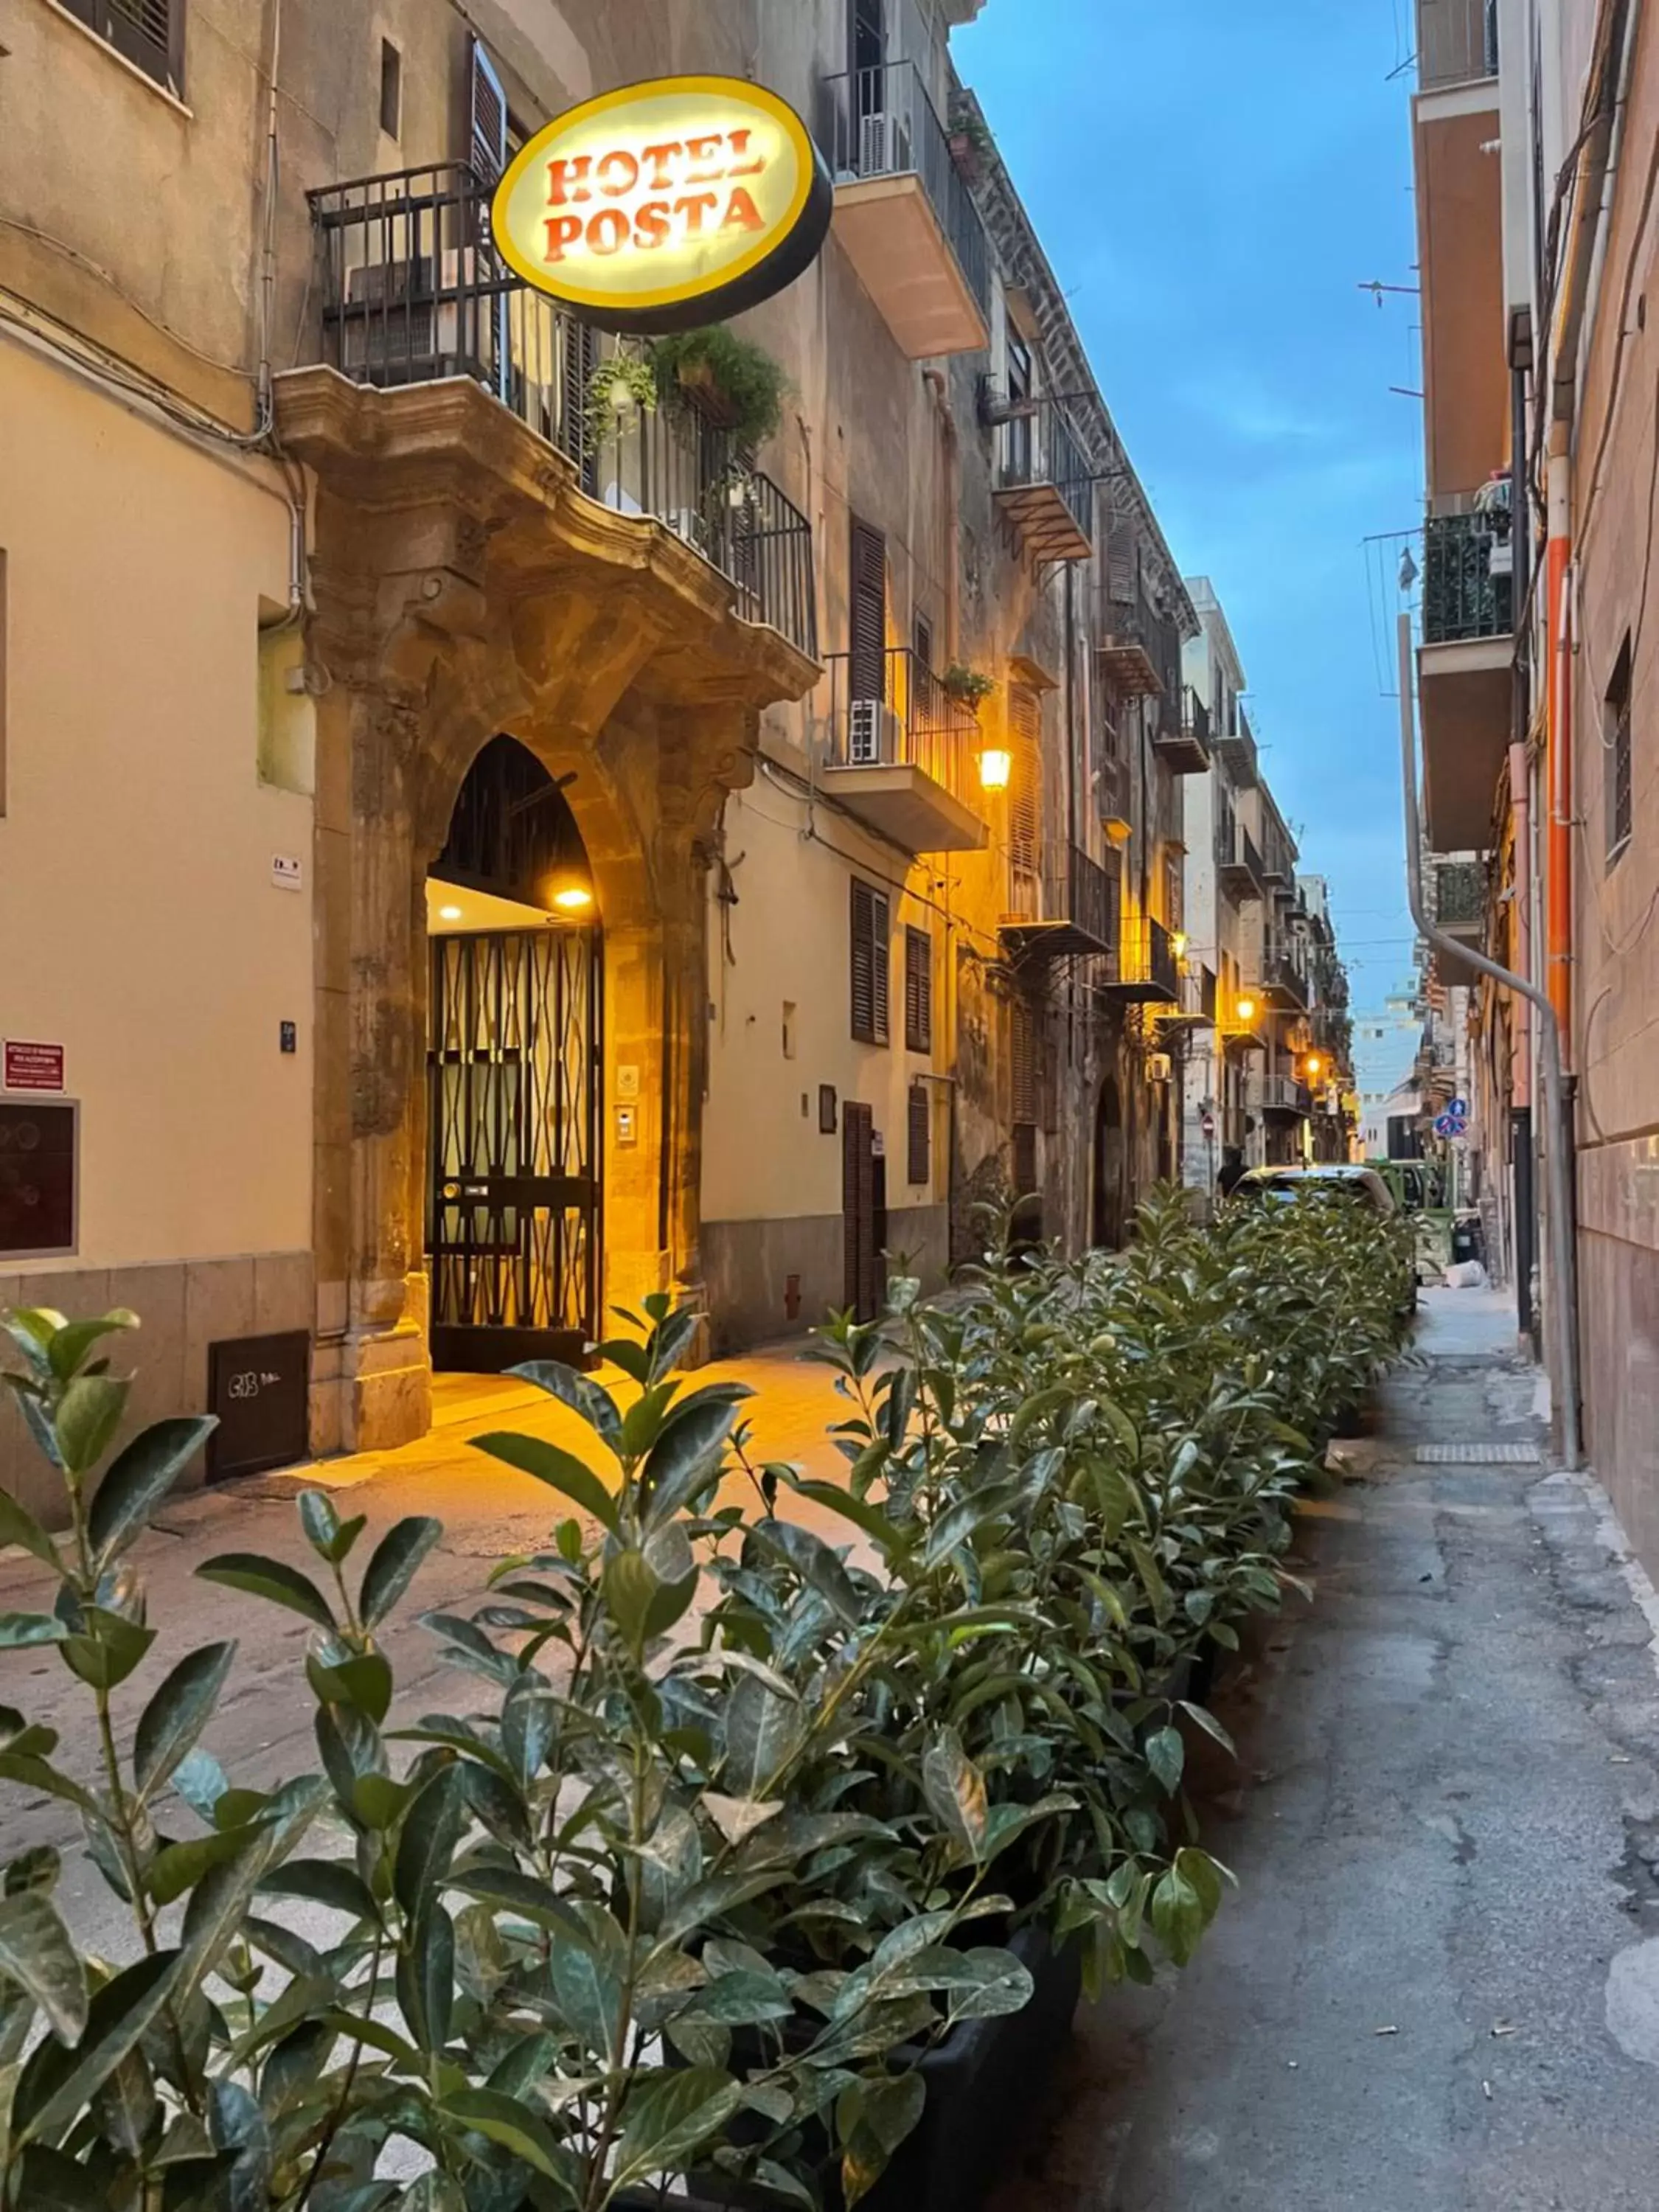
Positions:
(730, 382)
(618, 390)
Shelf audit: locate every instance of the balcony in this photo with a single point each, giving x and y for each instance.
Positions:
(905, 763)
(1041, 479)
(1465, 671)
(1277, 865)
(1235, 748)
(1071, 909)
(1281, 1098)
(1184, 734)
(1132, 647)
(1196, 1002)
(1238, 865)
(1285, 980)
(1457, 42)
(412, 294)
(1142, 968)
(1459, 899)
(904, 215)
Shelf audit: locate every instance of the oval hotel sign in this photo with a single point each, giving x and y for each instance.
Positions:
(666, 204)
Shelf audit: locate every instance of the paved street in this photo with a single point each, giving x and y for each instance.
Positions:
(1439, 1987)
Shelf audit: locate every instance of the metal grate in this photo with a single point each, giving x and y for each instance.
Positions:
(1478, 1456)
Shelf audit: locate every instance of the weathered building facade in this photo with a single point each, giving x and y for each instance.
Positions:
(1541, 782)
(488, 828)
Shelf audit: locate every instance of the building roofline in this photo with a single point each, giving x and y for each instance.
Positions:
(1207, 600)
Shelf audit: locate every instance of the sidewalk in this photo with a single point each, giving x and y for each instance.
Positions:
(1438, 1986)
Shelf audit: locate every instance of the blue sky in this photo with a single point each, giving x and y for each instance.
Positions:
(1211, 180)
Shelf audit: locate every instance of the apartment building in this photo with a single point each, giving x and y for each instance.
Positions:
(1539, 776)
(1268, 1065)
(517, 830)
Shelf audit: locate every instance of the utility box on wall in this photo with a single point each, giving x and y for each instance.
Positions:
(39, 1155)
(258, 1389)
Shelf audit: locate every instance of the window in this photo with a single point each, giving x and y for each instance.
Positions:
(918, 992)
(920, 1131)
(391, 89)
(866, 640)
(790, 1028)
(149, 33)
(922, 642)
(870, 955)
(1615, 737)
(1025, 782)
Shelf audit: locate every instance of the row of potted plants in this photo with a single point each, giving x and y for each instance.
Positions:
(749, 1849)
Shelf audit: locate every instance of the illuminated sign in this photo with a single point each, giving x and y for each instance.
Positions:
(666, 204)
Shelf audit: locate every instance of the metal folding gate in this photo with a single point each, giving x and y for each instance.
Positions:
(512, 1147)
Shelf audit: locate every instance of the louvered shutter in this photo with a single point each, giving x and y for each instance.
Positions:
(917, 991)
(486, 120)
(867, 614)
(1120, 559)
(149, 33)
(858, 1205)
(920, 1130)
(869, 956)
(578, 355)
(1025, 781)
(1025, 1084)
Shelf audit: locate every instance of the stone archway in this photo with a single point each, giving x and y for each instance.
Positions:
(465, 587)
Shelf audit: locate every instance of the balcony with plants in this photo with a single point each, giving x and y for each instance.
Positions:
(905, 211)
(413, 293)
(905, 752)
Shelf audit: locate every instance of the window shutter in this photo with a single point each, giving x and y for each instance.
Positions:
(1025, 781)
(917, 991)
(869, 964)
(860, 1260)
(867, 614)
(1025, 1086)
(149, 33)
(1120, 559)
(487, 123)
(920, 1132)
(578, 349)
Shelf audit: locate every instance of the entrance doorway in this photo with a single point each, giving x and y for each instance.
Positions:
(864, 1212)
(1109, 1168)
(515, 1044)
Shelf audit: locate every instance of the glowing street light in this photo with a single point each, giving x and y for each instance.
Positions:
(1247, 1009)
(996, 765)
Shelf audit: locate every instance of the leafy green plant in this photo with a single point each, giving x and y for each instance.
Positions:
(969, 686)
(735, 382)
(620, 386)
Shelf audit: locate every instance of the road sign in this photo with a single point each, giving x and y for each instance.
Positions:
(1208, 1125)
(1450, 1125)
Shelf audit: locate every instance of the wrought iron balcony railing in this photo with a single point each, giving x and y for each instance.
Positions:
(1239, 864)
(1284, 976)
(1456, 42)
(881, 123)
(1039, 454)
(911, 721)
(1139, 650)
(1235, 747)
(1468, 584)
(1143, 966)
(1071, 907)
(412, 291)
(1282, 1094)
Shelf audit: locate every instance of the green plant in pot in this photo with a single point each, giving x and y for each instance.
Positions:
(620, 388)
(968, 687)
(726, 379)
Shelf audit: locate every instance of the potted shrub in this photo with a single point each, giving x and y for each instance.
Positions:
(730, 382)
(968, 687)
(969, 141)
(620, 386)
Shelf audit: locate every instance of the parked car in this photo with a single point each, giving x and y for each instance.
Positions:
(1335, 1181)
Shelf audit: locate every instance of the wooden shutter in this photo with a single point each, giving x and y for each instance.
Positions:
(858, 1205)
(1025, 1086)
(867, 614)
(920, 1130)
(1025, 781)
(869, 964)
(486, 119)
(917, 991)
(149, 33)
(1120, 565)
(579, 351)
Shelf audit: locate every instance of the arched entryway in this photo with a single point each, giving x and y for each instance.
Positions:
(1108, 1225)
(514, 1182)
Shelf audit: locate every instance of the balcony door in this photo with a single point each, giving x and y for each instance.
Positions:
(867, 642)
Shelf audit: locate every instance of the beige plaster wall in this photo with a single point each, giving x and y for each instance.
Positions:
(139, 925)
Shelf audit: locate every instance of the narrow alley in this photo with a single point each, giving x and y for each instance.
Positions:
(1439, 1986)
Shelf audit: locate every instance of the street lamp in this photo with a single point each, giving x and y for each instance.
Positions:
(1247, 1009)
(995, 767)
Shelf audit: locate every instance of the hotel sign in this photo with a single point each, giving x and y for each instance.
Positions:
(666, 204)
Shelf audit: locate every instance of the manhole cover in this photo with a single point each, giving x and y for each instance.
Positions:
(1478, 1456)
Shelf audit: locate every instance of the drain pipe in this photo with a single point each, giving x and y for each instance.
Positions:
(1564, 1288)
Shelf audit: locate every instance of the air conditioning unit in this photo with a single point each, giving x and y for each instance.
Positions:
(871, 734)
(884, 146)
(1160, 1068)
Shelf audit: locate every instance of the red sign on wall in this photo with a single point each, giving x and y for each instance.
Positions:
(32, 1066)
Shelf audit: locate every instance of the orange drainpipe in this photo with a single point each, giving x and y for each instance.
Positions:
(1558, 874)
(1521, 950)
